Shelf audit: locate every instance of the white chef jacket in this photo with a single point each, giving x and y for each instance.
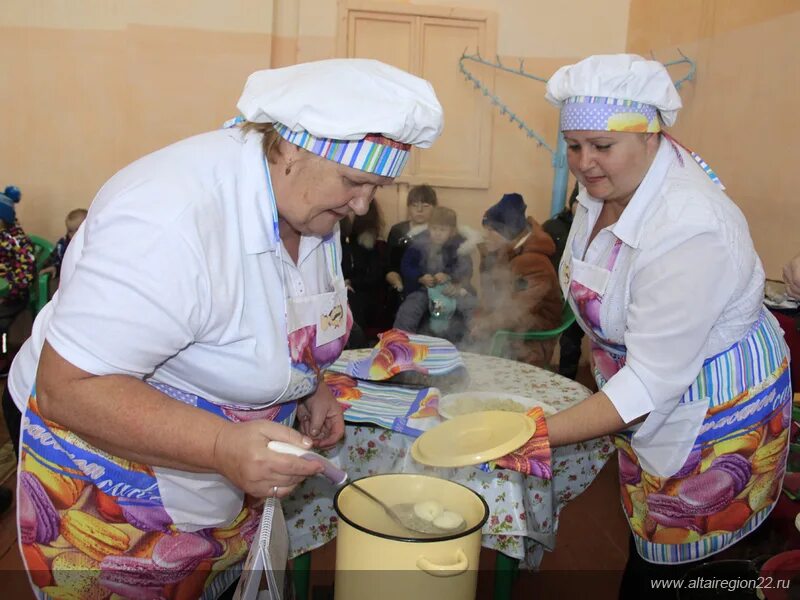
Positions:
(687, 284)
(176, 275)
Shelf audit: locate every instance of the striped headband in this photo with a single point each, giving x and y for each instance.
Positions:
(596, 113)
(373, 154)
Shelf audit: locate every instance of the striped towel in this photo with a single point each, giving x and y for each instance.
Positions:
(407, 410)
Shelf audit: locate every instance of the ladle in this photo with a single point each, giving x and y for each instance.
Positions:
(402, 514)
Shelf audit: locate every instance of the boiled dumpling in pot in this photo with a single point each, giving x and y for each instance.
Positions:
(428, 510)
(449, 520)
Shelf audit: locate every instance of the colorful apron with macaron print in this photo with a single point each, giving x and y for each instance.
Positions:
(732, 477)
(94, 526)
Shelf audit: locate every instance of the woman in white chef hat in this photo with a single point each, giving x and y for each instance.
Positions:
(661, 272)
(198, 305)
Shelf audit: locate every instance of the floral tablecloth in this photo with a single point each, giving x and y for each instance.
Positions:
(524, 510)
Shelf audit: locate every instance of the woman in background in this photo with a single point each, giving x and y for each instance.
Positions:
(420, 202)
(17, 269)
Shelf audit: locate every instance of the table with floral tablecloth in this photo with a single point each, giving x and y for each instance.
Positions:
(523, 510)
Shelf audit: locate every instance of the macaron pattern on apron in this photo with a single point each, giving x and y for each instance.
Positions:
(732, 477)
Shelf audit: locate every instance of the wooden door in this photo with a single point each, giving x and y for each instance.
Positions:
(428, 41)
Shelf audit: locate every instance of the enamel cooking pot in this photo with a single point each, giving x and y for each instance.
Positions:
(376, 558)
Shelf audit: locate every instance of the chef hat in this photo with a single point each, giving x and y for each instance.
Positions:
(361, 113)
(614, 92)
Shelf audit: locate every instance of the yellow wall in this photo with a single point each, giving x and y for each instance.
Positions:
(90, 86)
(741, 112)
(98, 83)
(95, 84)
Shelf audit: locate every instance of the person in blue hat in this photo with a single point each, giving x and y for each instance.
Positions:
(18, 269)
(13, 192)
(517, 268)
(17, 261)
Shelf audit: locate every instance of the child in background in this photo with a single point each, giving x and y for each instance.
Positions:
(438, 256)
(421, 201)
(520, 285)
(17, 267)
(53, 263)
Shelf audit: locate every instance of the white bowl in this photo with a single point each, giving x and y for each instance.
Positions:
(448, 405)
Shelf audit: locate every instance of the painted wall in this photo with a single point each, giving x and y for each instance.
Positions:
(96, 84)
(90, 86)
(741, 112)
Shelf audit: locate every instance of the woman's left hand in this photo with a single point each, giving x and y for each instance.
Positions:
(321, 417)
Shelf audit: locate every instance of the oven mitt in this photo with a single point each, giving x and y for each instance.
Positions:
(406, 359)
(534, 457)
(407, 410)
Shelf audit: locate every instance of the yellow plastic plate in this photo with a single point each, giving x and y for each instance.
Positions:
(473, 439)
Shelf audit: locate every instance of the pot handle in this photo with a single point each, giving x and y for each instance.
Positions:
(431, 568)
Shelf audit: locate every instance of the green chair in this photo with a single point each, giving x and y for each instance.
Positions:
(501, 336)
(40, 290)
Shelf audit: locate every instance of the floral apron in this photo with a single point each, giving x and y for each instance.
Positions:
(92, 525)
(732, 477)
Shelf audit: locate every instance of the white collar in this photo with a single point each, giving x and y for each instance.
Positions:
(308, 243)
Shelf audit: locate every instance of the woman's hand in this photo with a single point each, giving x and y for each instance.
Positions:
(321, 417)
(241, 455)
(441, 277)
(791, 276)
